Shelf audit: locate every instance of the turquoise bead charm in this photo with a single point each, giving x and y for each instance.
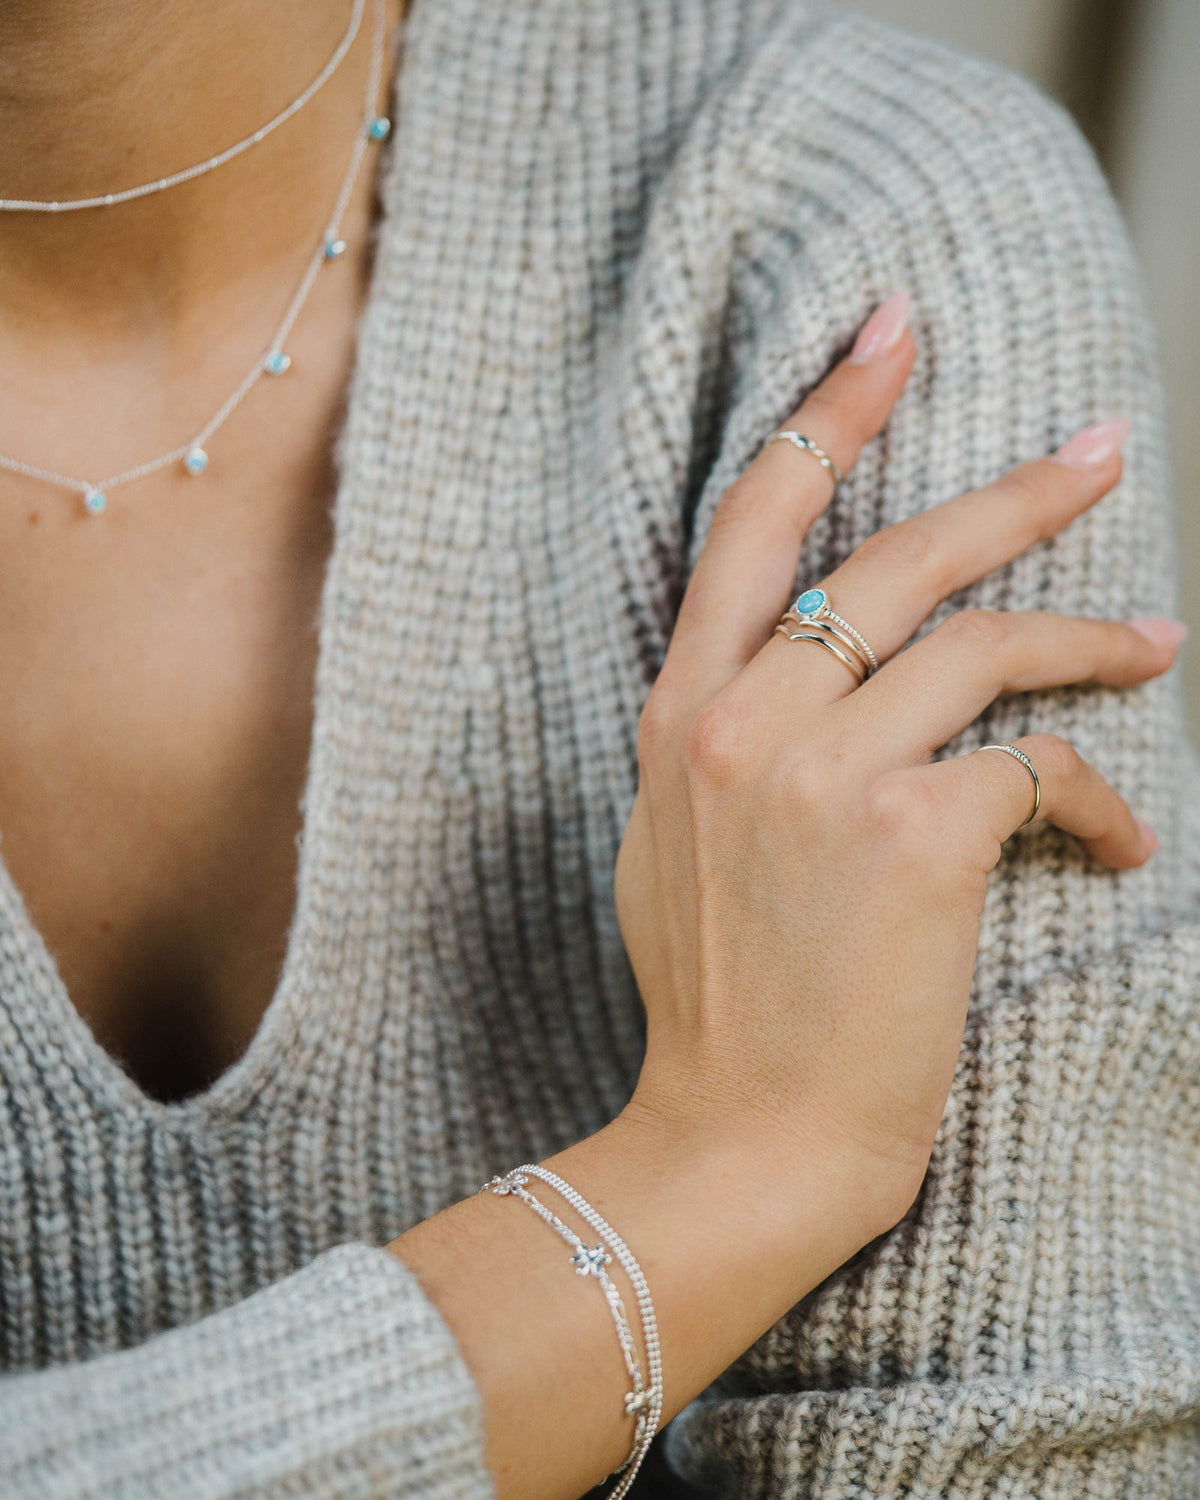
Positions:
(380, 128)
(334, 248)
(196, 460)
(277, 362)
(810, 602)
(95, 502)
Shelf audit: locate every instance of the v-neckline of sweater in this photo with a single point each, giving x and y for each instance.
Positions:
(274, 1039)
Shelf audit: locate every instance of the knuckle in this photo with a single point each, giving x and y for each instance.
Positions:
(734, 506)
(800, 781)
(1054, 757)
(1028, 487)
(823, 403)
(902, 809)
(980, 631)
(838, 414)
(656, 725)
(907, 545)
(714, 745)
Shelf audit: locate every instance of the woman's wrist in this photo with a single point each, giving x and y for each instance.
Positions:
(786, 1163)
(730, 1227)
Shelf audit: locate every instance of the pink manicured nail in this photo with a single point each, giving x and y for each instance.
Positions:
(1148, 834)
(1159, 629)
(1094, 444)
(880, 334)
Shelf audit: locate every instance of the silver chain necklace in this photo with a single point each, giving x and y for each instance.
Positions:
(275, 361)
(105, 200)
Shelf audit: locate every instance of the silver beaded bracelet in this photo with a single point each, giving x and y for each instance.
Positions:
(644, 1401)
(589, 1261)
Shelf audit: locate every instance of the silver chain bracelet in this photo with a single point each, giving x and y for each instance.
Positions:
(644, 1402)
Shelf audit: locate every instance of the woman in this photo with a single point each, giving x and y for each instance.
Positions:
(513, 442)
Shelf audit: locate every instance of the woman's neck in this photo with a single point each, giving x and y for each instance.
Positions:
(99, 95)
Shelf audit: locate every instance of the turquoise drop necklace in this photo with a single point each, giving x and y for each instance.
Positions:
(275, 361)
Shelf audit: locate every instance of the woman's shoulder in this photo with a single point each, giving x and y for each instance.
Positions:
(824, 53)
(831, 158)
(838, 155)
(861, 115)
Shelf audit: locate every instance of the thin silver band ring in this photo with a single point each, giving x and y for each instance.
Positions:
(806, 445)
(1028, 764)
(833, 626)
(859, 670)
(833, 623)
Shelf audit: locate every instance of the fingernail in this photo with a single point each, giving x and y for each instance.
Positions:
(1094, 444)
(1160, 630)
(1148, 834)
(880, 334)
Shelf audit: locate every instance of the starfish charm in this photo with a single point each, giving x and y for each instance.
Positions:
(587, 1262)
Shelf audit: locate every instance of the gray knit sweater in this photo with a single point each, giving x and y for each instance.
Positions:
(619, 239)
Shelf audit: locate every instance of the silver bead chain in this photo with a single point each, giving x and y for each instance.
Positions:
(275, 361)
(591, 1262)
(106, 200)
(626, 1258)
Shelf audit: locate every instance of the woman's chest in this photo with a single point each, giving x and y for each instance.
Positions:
(155, 728)
(476, 700)
(506, 558)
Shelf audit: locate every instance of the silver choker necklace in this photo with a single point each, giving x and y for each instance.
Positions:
(106, 200)
(275, 361)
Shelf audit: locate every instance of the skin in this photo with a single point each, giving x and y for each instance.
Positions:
(157, 664)
(801, 1037)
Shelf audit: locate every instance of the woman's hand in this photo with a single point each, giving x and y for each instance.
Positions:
(800, 890)
(800, 886)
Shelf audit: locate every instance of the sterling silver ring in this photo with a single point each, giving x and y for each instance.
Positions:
(806, 445)
(811, 612)
(1028, 764)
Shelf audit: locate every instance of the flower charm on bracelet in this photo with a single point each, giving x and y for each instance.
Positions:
(587, 1262)
(641, 1403)
(509, 1183)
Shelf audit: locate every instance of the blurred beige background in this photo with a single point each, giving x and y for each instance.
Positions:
(1129, 70)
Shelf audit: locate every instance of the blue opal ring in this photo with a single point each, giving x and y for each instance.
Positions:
(810, 618)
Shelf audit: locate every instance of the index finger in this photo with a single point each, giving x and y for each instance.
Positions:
(741, 580)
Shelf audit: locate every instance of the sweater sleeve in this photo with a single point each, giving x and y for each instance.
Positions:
(339, 1382)
(1032, 1328)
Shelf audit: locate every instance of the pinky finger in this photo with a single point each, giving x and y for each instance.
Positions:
(1074, 797)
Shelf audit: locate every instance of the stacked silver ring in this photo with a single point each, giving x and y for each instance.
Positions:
(810, 618)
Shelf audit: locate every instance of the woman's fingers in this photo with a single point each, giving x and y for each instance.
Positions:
(943, 682)
(992, 788)
(742, 577)
(890, 584)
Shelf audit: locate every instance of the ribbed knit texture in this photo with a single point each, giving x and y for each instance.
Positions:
(620, 238)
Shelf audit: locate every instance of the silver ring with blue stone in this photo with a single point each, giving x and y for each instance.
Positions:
(806, 445)
(811, 613)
